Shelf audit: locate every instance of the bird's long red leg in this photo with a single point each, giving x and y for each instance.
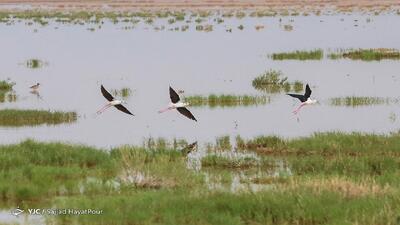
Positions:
(164, 110)
(104, 108)
(298, 109)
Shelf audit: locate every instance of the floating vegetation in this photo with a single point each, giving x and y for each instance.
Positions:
(317, 54)
(18, 118)
(288, 27)
(272, 81)
(6, 91)
(35, 63)
(226, 100)
(124, 92)
(355, 101)
(367, 54)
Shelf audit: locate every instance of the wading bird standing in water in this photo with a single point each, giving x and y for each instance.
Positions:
(112, 102)
(305, 99)
(178, 105)
(35, 87)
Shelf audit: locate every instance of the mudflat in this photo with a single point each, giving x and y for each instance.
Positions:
(128, 5)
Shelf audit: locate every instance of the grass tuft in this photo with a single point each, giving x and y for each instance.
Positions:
(18, 118)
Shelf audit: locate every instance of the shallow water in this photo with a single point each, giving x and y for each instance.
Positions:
(148, 61)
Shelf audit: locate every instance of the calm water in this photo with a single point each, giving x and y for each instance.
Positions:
(148, 61)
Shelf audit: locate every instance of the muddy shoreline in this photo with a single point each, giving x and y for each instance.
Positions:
(135, 5)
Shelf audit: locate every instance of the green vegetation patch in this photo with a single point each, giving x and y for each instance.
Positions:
(273, 81)
(6, 91)
(354, 101)
(367, 54)
(316, 54)
(226, 100)
(18, 118)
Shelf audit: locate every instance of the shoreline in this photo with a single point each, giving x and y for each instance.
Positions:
(213, 5)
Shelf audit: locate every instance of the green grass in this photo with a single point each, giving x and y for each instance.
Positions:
(226, 100)
(336, 178)
(18, 118)
(316, 54)
(367, 54)
(273, 81)
(355, 101)
(123, 92)
(34, 63)
(6, 87)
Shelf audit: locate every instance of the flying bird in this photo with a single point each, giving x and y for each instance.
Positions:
(305, 99)
(112, 102)
(178, 105)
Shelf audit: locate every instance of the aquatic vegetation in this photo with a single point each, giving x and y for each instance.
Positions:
(367, 54)
(226, 100)
(272, 81)
(18, 118)
(317, 54)
(229, 161)
(288, 27)
(34, 63)
(123, 92)
(332, 174)
(355, 101)
(6, 87)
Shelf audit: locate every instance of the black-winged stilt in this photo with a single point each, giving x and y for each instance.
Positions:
(178, 105)
(112, 102)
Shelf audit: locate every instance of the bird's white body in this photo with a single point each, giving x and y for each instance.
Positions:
(310, 101)
(178, 104)
(116, 102)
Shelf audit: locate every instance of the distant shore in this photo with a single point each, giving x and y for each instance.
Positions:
(135, 5)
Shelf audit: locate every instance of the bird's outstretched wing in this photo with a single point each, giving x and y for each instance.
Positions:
(300, 97)
(106, 94)
(173, 95)
(184, 111)
(307, 94)
(123, 109)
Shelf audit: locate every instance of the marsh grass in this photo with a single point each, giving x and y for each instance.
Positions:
(34, 63)
(273, 81)
(316, 54)
(232, 161)
(338, 178)
(6, 91)
(19, 118)
(123, 92)
(366, 54)
(226, 100)
(355, 101)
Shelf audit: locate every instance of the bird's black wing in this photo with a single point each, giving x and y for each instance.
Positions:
(184, 111)
(106, 95)
(173, 95)
(189, 148)
(307, 94)
(123, 109)
(300, 97)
